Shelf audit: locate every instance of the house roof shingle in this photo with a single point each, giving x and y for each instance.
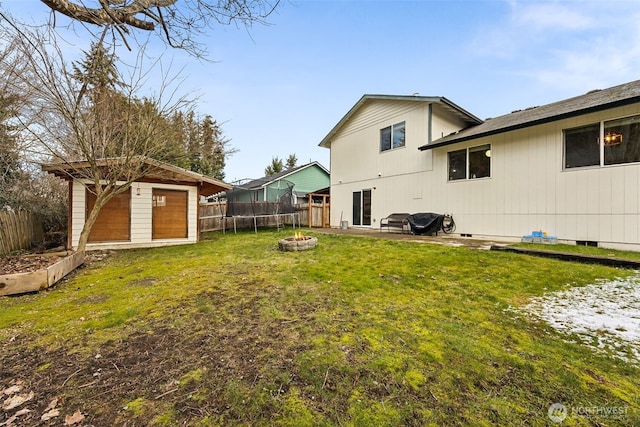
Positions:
(596, 100)
(260, 182)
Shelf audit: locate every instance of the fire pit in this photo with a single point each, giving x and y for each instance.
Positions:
(297, 243)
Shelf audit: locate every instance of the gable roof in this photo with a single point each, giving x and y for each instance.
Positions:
(448, 105)
(158, 172)
(264, 181)
(593, 101)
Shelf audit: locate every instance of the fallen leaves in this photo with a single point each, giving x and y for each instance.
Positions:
(15, 416)
(50, 411)
(17, 398)
(73, 419)
(26, 263)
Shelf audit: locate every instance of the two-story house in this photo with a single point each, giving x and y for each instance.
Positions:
(570, 168)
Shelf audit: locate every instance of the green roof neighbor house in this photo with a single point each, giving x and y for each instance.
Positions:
(305, 179)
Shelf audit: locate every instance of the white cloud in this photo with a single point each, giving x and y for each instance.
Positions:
(528, 25)
(608, 58)
(573, 46)
(553, 16)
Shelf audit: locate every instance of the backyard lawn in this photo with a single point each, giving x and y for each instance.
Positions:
(356, 332)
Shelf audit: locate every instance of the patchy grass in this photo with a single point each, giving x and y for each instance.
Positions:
(357, 331)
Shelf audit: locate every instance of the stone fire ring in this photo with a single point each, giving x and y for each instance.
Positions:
(291, 244)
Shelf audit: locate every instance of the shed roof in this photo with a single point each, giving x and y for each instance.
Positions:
(158, 171)
(593, 101)
(448, 105)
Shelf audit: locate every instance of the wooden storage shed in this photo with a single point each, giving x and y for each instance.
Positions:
(157, 210)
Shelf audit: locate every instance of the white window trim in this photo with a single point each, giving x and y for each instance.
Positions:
(467, 163)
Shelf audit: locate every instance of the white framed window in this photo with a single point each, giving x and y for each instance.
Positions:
(621, 140)
(392, 137)
(581, 146)
(610, 142)
(470, 163)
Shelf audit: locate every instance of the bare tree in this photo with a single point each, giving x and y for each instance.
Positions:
(105, 137)
(177, 22)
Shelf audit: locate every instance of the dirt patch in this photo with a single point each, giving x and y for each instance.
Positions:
(185, 371)
(149, 281)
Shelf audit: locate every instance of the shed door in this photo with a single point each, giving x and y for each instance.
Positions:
(114, 220)
(169, 214)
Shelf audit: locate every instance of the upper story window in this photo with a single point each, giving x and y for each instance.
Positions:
(470, 163)
(392, 137)
(607, 143)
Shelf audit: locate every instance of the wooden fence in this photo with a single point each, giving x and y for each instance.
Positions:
(19, 230)
(313, 215)
(211, 216)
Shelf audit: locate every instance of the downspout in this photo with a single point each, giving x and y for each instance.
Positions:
(198, 193)
(429, 122)
(70, 216)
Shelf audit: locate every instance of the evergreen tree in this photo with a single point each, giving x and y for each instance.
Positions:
(275, 167)
(292, 161)
(98, 69)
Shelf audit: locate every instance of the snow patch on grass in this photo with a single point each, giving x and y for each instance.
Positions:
(605, 315)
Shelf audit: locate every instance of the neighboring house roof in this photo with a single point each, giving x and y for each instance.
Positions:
(264, 181)
(593, 101)
(326, 190)
(158, 172)
(453, 108)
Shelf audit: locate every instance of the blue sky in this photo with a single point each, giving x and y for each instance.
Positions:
(278, 89)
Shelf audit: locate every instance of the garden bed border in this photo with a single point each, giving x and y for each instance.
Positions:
(20, 283)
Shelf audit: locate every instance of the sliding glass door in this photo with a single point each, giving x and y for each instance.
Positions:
(362, 207)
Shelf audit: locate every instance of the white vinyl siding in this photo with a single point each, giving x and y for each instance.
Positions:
(357, 163)
(530, 188)
(358, 142)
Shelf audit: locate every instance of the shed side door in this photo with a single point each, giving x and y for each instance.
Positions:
(170, 214)
(114, 220)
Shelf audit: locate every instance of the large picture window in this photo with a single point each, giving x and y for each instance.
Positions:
(392, 137)
(611, 142)
(470, 163)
